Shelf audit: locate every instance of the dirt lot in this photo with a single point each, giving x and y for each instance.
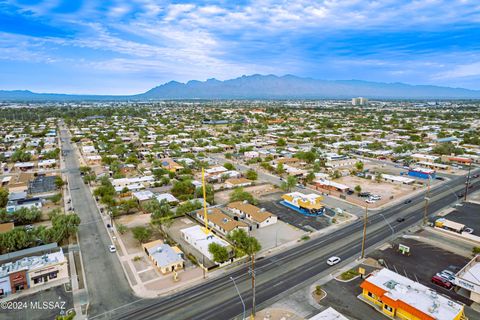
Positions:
(386, 190)
(258, 191)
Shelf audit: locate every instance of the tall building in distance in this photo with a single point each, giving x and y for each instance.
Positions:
(360, 101)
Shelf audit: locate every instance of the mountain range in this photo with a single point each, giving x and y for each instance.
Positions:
(264, 87)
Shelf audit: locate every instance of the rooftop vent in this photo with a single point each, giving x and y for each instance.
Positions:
(391, 284)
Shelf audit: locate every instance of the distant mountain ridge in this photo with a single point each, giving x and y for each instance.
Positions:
(265, 87)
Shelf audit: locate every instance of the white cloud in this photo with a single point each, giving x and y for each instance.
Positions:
(460, 71)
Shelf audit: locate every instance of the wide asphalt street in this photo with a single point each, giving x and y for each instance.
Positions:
(106, 283)
(217, 298)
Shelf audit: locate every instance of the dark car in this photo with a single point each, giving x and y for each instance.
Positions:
(442, 282)
(364, 194)
(440, 178)
(408, 201)
(400, 219)
(461, 195)
(350, 192)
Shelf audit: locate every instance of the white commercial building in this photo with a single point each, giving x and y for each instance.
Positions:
(200, 240)
(469, 279)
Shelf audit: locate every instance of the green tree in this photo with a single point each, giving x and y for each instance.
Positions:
(26, 215)
(59, 182)
(239, 194)
(188, 206)
(229, 166)
(56, 198)
(289, 183)
(280, 169)
(310, 177)
(220, 253)
(251, 174)
(141, 234)
(210, 193)
(281, 142)
(3, 197)
(358, 189)
(359, 165)
(378, 177)
(161, 212)
(183, 189)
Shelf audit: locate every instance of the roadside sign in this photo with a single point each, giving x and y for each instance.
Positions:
(361, 271)
(403, 249)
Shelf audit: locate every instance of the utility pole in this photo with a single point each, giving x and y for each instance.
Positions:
(468, 180)
(365, 220)
(425, 211)
(252, 257)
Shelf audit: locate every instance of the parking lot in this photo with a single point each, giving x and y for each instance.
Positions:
(424, 261)
(467, 214)
(45, 304)
(294, 218)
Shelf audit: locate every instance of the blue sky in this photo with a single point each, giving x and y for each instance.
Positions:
(125, 47)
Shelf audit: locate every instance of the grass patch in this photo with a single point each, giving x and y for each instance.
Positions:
(305, 238)
(348, 275)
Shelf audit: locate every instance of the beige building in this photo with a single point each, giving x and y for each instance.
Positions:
(167, 259)
(259, 216)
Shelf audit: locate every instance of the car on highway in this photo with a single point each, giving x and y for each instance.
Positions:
(333, 260)
(442, 282)
(400, 219)
(407, 201)
(112, 248)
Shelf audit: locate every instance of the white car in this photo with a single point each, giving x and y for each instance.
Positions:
(370, 201)
(112, 248)
(333, 261)
(468, 230)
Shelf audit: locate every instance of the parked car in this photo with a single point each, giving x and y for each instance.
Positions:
(28, 227)
(350, 192)
(400, 219)
(445, 276)
(375, 197)
(370, 201)
(407, 201)
(112, 248)
(468, 230)
(364, 194)
(333, 260)
(451, 274)
(440, 178)
(441, 282)
(476, 175)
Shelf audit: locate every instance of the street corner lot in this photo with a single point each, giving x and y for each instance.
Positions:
(384, 189)
(294, 218)
(424, 261)
(30, 306)
(276, 235)
(342, 296)
(467, 214)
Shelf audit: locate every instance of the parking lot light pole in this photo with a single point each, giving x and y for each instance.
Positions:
(365, 219)
(240, 296)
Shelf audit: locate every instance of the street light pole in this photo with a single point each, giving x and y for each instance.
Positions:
(240, 296)
(253, 286)
(365, 219)
(425, 211)
(468, 181)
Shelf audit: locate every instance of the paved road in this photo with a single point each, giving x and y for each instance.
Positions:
(107, 286)
(217, 298)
